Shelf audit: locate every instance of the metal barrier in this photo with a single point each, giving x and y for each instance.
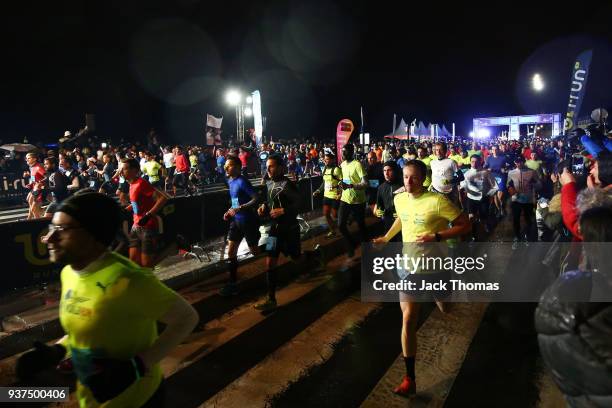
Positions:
(25, 260)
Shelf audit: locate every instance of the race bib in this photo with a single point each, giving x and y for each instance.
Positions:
(329, 186)
(271, 244)
(374, 183)
(235, 203)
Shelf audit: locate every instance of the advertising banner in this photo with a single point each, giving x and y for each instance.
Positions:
(343, 133)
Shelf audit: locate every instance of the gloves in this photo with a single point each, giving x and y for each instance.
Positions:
(113, 377)
(39, 359)
(143, 221)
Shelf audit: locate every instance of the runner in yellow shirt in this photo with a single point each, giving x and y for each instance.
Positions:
(423, 217)
(354, 183)
(332, 176)
(151, 170)
(109, 310)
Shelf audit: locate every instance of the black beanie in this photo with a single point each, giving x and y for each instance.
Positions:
(96, 213)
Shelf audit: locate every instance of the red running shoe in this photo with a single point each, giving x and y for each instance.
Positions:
(406, 388)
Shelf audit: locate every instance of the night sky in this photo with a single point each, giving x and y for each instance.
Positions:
(166, 64)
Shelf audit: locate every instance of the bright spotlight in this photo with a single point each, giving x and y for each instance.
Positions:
(537, 83)
(484, 133)
(249, 99)
(233, 97)
(248, 111)
(472, 134)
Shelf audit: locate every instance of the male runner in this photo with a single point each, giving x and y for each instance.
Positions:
(36, 174)
(332, 175)
(480, 186)
(522, 185)
(151, 168)
(145, 202)
(181, 172)
(498, 165)
(445, 174)
(243, 220)
(385, 208)
(281, 206)
(109, 310)
(352, 201)
(423, 217)
(56, 185)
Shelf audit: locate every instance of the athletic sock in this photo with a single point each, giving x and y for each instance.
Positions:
(271, 276)
(233, 269)
(409, 361)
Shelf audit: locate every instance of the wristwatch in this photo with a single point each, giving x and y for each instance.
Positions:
(438, 237)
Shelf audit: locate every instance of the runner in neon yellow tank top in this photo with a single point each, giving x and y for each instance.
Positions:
(109, 310)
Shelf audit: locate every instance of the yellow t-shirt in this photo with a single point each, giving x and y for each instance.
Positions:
(112, 312)
(457, 158)
(352, 173)
(151, 169)
(331, 179)
(533, 164)
(427, 161)
(427, 214)
(193, 160)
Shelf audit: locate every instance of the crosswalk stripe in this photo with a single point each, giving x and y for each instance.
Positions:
(313, 346)
(442, 343)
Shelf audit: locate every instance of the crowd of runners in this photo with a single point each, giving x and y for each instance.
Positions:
(421, 192)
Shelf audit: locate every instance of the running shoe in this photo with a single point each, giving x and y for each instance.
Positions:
(330, 234)
(230, 289)
(515, 244)
(267, 306)
(406, 388)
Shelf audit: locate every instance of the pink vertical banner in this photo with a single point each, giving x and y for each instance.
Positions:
(343, 133)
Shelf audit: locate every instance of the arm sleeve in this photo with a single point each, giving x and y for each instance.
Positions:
(568, 208)
(291, 203)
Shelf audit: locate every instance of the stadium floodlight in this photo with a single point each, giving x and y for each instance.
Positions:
(537, 82)
(249, 99)
(248, 112)
(233, 97)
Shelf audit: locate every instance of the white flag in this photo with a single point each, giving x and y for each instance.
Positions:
(213, 122)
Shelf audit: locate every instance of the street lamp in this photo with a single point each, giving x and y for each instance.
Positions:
(537, 83)
(233, 97)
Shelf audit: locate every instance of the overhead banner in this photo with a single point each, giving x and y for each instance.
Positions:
(343, 133)
(577, 89)
(257, 117)
(213, 130)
